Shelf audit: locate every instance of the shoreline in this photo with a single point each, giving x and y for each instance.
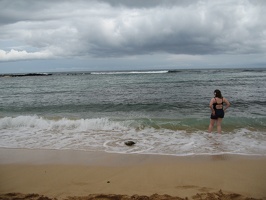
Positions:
(62, 173)
(50, 156)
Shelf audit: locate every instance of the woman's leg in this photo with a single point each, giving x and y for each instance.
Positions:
(219, 125)
(212, 122)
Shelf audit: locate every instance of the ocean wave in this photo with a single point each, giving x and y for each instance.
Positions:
(189, 125)
(131, 72)
(157, 136)
(58, 124)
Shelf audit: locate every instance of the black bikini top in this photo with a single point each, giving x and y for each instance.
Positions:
(214, 105)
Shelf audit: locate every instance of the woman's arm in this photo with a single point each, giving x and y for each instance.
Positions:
(227, 104)
(211, 106)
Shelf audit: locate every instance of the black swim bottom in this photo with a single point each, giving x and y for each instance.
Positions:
(218, 114)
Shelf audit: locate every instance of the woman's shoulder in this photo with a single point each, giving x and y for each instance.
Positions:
(225, 99)
(213, 100)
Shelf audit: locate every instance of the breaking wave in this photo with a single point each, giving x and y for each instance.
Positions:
(103, 134)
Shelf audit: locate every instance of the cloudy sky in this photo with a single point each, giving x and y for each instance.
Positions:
(80, 35)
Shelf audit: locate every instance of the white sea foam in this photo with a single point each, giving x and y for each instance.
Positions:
(59, 125)
(132, 72)
(102, 134)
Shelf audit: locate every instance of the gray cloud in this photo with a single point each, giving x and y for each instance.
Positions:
(148, 3)
(52, 29)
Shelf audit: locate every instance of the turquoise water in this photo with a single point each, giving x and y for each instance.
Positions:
(165, 113)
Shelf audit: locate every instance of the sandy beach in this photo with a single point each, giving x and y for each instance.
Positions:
(66, 173)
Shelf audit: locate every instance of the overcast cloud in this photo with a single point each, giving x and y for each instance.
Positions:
(172, 33)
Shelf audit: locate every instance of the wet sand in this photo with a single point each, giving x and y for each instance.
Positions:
(29, 174)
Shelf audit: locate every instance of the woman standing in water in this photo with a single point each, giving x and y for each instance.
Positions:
(216, 106)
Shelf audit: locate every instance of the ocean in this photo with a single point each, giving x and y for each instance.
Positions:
(164, 112)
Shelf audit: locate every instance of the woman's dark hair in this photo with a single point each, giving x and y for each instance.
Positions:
(218, 93)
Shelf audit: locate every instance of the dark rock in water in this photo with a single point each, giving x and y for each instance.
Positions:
(22, 75)
(129, 143)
